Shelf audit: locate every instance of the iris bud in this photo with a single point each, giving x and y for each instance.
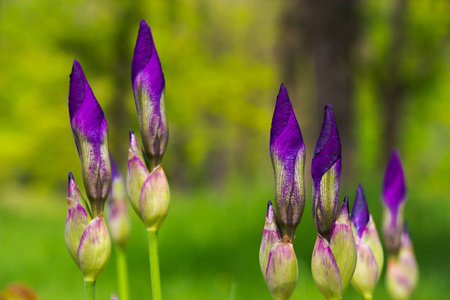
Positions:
(326, 173)
(287, 152)
(269, 238)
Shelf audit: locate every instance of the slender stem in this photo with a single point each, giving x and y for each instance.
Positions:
(122, 274)
(154, 264)
(89, 290)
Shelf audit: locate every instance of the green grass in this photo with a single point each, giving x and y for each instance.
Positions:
(208, 246)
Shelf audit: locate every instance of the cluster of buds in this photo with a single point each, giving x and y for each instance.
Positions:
(147, 184)
(402, 271)
(86, 234)
(277, 257)
(117, 210)
(368, 247)
(334, 257)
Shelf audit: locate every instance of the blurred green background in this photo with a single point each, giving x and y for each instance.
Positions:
(383, 65)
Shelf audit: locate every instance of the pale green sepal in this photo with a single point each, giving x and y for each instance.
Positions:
(95, 249)
(282, 270)
(370, 238)
(365, 277)
(343, 248)
(136, 175)
(155, 198)
(76, 222)
(269, 238)
(325, 271)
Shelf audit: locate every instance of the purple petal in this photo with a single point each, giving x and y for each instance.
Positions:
(148, 88)
(360, 211)
(394, 187)
(287, 152)
(328, 148)
(86, 115)
(90, 131)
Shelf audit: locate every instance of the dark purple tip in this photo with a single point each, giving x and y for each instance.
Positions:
(328, 148)
(130, 133)
(345, 204)
(146, 59)
(360, 211)
(70, 176)
(269, 204)
(394, 187)
(85, 113)
(285, 135)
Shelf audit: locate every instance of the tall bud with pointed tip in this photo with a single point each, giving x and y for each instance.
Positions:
(118, 218)
(287, 151)
(402, 270)
(90, 131)
(282, 270)
(393, 196)
(148, 83)
(370, 253)
(269, 238)
(326, 173)
(334, 261)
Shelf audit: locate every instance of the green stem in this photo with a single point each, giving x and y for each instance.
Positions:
(367, 297)
(122, 274)
(154, 264)
(89, 290)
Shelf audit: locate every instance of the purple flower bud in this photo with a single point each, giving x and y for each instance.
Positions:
(326, 172)
(287, 151)
(154, 199)
(90, 131)
(76, 222)
(118, 219)
(393, 196)
(94, 249)
(77, 196)
(402, 270)
(360, 211)
(282, 270)
(368, 247)
(148, 83)
(269, 238)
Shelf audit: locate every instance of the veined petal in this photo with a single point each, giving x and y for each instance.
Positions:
(287, 151)
(326, 172)
(360, 211)
(371, 239)
(148, 87)
(77, 196)
(90, 131)
(269, 238)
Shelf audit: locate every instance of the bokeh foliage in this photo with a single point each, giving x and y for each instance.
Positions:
(222, 76)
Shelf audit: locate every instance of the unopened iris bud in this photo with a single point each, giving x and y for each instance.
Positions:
(76, 222)
(334, 262)
(154, 199)
(393, 196)
(287, 151)
(148, 83)
(402, 271)
(90, 131)
(370, 253)
(269, 238)
(282, 270)
(118, 219)
(326, 173)
(94, 249)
